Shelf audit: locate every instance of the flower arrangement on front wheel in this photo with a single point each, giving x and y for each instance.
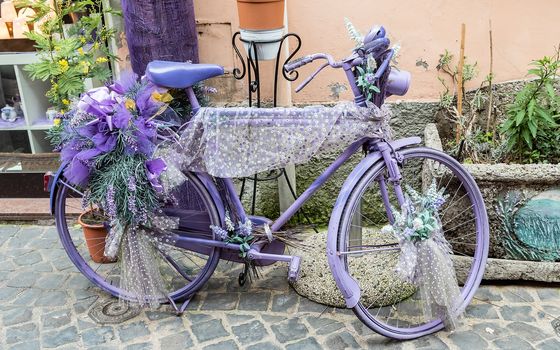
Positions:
(107, 141)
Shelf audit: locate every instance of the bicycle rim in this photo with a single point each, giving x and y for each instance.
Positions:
(389, 305)
(184, 271)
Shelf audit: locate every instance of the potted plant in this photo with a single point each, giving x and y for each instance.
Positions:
(261, 22)
(95, 232)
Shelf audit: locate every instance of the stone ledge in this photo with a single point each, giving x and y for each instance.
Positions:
(518, 173)
(503, 269)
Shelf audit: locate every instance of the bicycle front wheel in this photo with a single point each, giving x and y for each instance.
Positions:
(182, 271)
(388, 304)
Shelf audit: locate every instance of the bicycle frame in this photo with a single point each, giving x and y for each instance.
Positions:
(378, 150)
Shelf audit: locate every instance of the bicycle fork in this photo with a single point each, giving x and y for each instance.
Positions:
(392, 159)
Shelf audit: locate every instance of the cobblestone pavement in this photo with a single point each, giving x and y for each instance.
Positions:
(44, 303)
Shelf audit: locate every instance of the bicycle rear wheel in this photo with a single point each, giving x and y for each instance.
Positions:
(389, 305)
(182, 270)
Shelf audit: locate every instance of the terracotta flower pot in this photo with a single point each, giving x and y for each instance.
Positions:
(261, 14)
(95, 235)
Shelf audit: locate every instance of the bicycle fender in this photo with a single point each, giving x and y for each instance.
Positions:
(347, 285)
(208, 182)
(53, 189)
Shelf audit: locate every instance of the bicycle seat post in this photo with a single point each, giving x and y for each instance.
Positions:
(195, 106)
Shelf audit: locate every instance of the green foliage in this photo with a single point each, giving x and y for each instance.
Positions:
(479, 146)
(55, 135)
(69, 54)
(354, 33)
(113, 172)
(447, 66)
(181, 104)
(366, 81)
(532, 123)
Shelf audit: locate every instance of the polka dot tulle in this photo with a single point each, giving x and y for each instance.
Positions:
(237, 142)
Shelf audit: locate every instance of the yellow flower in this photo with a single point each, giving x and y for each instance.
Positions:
(85, 67)
(101, 60)
(63, 65)
(65, 102)
(165, 97)
(62, 111)
(83, 39)
(81, 51)
(57, 121)
(96, 46)
(130, 104)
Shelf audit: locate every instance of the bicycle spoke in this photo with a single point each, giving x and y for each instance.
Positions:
(460, 225)
(456, 216)
(175, 265)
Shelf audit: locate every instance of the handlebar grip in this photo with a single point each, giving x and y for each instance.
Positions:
(290, 66)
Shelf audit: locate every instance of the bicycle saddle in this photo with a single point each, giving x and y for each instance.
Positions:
(180, 75)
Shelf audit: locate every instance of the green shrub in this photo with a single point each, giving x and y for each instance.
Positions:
(532, 127)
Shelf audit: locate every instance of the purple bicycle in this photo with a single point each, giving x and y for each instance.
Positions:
(363, 255)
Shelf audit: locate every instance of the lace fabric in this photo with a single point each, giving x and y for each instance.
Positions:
(237, 142)
(425, 255)
(428, 265)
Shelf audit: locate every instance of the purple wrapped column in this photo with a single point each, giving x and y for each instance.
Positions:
(160, 30)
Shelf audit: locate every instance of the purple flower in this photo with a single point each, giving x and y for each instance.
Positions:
(70, 150)
(370, 78)
(220, 232)
(210, 90)
(145, 134)
(154, 168)
(88, 130)
(110, 204)
(79, 168)
(132, 205)
(132, 184)
(122, 117)
(77, 172)
(125, 83)
(146, 105)
(438, 203)
(98, 102)
(104, 142)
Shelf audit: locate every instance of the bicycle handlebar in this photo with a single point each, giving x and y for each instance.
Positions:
(375, 44)
(290, 66)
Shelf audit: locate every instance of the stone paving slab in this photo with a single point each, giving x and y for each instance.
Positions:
(44, 304)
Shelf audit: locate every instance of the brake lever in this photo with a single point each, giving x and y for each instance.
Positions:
(309, 78)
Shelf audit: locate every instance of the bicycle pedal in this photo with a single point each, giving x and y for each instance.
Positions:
(293, 269)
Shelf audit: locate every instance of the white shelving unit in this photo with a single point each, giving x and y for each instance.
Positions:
(34, 105)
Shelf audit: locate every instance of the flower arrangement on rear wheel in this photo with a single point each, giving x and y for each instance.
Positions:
(108, 140)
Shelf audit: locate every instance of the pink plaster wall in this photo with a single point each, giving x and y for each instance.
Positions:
(522, 31)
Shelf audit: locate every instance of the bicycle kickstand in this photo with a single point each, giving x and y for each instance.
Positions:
(179, 310)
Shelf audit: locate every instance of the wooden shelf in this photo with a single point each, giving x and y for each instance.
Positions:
(34, 104)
